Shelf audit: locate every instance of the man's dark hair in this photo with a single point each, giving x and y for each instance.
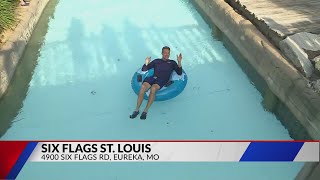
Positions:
(165, 47)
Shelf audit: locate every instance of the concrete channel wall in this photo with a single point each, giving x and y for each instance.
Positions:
(282, 78)
(13, 48)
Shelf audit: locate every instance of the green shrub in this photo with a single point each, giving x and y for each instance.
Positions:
(7, 13)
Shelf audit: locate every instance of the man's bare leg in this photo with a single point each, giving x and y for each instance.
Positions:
(152, 95)
(145, 86)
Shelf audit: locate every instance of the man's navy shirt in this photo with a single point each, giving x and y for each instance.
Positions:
(163, 68)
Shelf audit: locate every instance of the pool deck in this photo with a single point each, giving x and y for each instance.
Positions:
(286, 17)
(280, 19)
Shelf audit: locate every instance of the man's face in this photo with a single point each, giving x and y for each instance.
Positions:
(165, 54)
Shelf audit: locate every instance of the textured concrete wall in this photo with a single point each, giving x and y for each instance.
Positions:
(282, 78)
(13, 48)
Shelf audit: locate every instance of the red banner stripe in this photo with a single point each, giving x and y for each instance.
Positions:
(9, 154)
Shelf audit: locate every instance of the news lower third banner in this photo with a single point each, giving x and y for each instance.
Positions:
(14, 154)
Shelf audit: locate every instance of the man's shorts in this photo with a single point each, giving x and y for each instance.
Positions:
(155, 80)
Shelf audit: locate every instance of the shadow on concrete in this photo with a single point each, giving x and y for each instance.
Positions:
(78, 44)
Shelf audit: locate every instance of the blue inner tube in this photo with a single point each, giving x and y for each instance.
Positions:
(178, 83)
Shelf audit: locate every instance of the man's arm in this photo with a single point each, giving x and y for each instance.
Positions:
(148, 65)
(177, 68)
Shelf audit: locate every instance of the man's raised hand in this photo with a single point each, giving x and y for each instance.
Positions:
(148, 59)
(179, 58)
